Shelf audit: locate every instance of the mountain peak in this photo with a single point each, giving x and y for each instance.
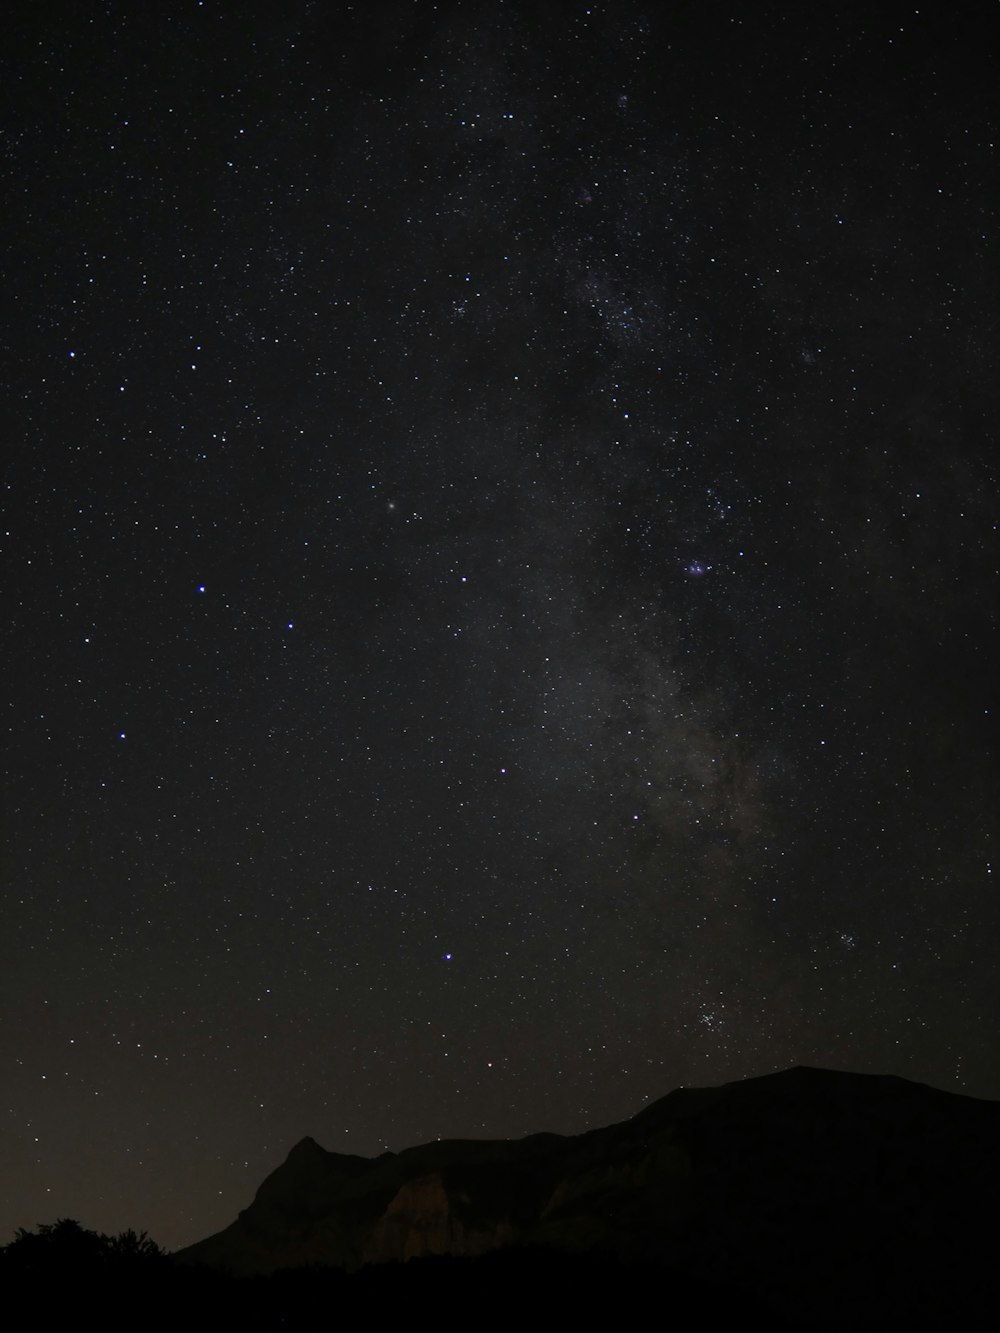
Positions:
(307, 1147)
(308, 1144)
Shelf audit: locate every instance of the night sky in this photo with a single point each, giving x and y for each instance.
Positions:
(499, 575)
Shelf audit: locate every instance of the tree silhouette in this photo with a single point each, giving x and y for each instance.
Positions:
(133, 1246)
(63, 1246)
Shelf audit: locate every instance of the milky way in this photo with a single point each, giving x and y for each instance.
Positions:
(500, 575)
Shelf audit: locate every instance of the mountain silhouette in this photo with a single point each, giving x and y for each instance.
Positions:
(840, 1200)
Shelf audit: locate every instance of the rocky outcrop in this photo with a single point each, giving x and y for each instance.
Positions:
(422, 1219)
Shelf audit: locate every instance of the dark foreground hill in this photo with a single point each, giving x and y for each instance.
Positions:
(836, 1200)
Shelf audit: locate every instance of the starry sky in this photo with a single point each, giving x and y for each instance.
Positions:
(499, 575)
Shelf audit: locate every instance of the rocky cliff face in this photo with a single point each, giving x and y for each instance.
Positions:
(422, 1219)
(806, 1187)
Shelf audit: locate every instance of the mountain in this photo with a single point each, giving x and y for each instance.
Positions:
(841, 1200)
